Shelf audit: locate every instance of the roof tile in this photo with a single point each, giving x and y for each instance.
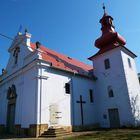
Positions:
(63, 62)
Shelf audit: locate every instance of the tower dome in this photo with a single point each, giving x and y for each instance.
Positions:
(109, 36)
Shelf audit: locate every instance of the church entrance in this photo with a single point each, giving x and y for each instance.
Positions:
(114, 118)
(11, 108)
(54, 115)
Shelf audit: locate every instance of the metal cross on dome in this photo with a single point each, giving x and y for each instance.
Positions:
(16, 52)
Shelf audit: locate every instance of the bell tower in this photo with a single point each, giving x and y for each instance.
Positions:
(106, 23)
(117, 86)
(109, 38)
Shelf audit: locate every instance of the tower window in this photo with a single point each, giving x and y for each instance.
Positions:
(91, 95)
(104, 116)
(107, 63)
(129, 63)
(110, 91)
(67, 88)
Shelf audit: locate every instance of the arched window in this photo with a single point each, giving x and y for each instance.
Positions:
(110, 91)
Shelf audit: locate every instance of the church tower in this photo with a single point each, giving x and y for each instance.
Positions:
(117, 86)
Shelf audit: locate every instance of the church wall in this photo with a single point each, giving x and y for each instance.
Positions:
(25, 102)
(81, 86)
(53, 93)
(132, 84)
(115, 78)
(3, 104)
(21, 41)
(28, 98)
(12, 67)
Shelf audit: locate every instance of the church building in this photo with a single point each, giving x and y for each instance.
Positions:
(42, 89)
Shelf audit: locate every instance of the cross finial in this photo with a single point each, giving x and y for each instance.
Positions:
(19, 30)
(26, 30)
(104, 8)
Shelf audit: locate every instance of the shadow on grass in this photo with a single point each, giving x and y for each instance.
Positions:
(9, 136)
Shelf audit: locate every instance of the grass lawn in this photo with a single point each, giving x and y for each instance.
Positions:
(116, 134)
(120, 134)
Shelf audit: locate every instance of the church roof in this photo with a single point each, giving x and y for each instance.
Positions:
(103, 50)
(63, 62)
(111, 47)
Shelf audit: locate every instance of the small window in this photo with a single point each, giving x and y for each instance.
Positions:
(67, 88)
(129, 63)
(107, 63)
(110, 92)
(91, 95)
(104, 116)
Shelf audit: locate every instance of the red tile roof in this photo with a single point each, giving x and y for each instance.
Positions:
(63, 62)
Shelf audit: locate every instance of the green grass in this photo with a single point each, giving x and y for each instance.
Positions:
(116, 134)
(110, 135)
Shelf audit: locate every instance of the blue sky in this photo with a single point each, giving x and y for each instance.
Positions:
(68, 26)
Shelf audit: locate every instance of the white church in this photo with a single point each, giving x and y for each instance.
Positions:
(42, 89)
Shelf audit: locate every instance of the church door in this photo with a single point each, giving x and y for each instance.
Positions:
(11, 107)
(11, 118)
(114, 118)
(53, 115)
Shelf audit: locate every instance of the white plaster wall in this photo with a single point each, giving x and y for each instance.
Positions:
(81, 86)
(115, 77)
(23, 59)
(26, 98)
(24, 76)
(25, 50)
(53, 92)
(132, 84)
